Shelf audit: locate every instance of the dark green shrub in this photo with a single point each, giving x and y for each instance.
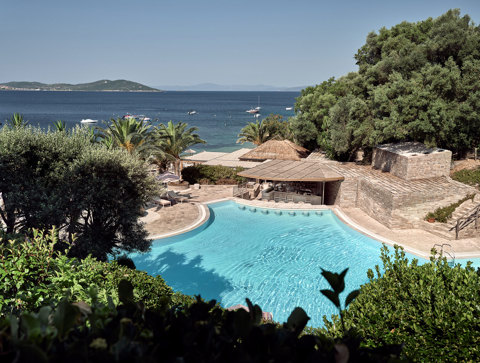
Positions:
(434, 309)
(33, 274)
(194, 174)
(61, 179)
(443, 214)
(200, 332)
(126, 261)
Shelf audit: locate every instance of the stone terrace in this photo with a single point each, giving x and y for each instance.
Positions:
(395, 202)
(165, 220)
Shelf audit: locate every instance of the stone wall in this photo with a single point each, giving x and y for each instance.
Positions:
(332, 192)
(413, 166)
(393, 209)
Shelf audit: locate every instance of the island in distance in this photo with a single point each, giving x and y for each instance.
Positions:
(103, 85)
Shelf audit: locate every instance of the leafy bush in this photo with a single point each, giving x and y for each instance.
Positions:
(200, 332)
(34, 273)
(443, 214)
(434, 309)
(212, 173)
(61, 179)
(470, 177)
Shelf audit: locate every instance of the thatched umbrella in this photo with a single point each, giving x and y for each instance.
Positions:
(276, 149)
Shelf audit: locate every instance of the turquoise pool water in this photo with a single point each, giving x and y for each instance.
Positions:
(272, 259)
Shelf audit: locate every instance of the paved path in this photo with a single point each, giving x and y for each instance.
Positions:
(182, 216)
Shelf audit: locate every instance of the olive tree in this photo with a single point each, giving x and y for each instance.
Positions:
(61, 179)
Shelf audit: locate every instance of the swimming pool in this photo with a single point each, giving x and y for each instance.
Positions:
(272, 258)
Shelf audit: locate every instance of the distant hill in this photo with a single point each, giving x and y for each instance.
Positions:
(119, 85)
(220, 87)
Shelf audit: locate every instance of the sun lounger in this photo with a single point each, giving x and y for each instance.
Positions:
(162, 202)
(177, 198)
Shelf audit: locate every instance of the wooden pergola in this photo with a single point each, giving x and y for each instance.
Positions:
(289, 171)
(293, 172)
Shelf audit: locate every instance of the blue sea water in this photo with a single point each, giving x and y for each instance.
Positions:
(220, 115)
(274, 260)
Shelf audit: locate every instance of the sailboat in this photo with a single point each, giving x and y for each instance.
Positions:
(258, 108)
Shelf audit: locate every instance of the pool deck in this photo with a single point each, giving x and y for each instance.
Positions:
(183, 217)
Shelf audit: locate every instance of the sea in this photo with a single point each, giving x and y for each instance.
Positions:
(220, 115)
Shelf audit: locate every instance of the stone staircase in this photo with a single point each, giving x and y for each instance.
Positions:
(447, 230)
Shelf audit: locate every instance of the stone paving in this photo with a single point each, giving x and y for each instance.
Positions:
(398, 186)
(180, 216)
(415, 239)
(159, 221)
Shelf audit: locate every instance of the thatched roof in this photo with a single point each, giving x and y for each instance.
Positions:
(284, 170)
(276, 149)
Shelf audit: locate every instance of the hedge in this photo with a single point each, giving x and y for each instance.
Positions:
(212, 174)
(34, 273)
(433, 309)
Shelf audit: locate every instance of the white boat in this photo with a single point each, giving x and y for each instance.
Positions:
(128, 116)
(192, 112)
(256, 115)
(288, 108)
(88, 121)
(258, 108)
(253, 110)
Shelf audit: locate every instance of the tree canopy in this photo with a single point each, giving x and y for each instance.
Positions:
(268, 128)
(415, 82)
(61, 179)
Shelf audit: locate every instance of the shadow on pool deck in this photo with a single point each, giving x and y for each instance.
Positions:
(187, 277)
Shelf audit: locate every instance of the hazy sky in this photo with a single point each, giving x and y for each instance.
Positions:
(185, 42)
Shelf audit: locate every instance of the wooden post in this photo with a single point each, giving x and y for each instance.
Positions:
(476, 218)
(323, 193)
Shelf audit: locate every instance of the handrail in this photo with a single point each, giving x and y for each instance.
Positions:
(443, 252)
(240, 190)
(256, 190)
(464, 221)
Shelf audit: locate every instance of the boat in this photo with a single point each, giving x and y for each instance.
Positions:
(258, 108)
(288, 108)
(192, 112)
(88, 121)
(252, 111)
(128, 116)
(257, 115)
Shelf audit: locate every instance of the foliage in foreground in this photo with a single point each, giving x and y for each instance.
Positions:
(433, 309)
(200, 332)
(212, 174)
(33, 274)
(443, 214)
(416, 82)
(61, 179)
(470, 177)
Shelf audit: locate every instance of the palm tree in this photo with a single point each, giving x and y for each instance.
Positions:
(131, 135)
(60, 126)
(174, 139)
(16, 122)
(254, 132)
